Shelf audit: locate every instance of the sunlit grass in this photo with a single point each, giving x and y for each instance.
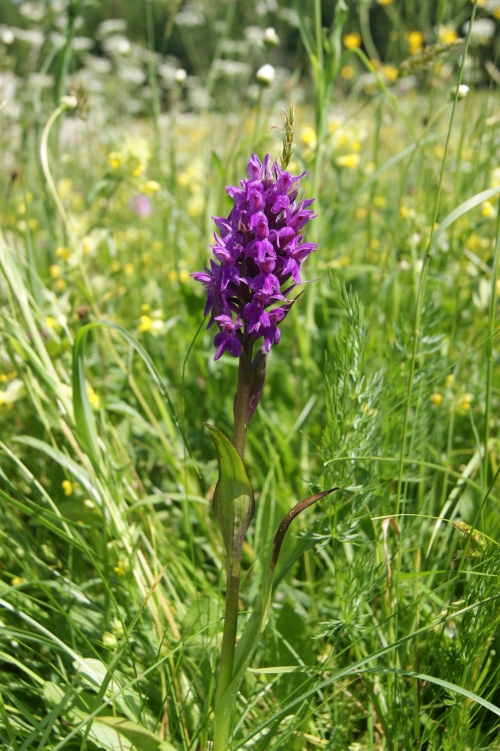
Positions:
(111, 565)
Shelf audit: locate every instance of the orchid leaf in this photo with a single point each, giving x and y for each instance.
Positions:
(233, 499)
(249, 640)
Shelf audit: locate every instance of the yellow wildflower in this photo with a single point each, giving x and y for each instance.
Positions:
(21, 208)
(183, 179)
(3, 378)
(390, 72)
(347, 72)
(61, 285)
(50, 321)
(380, 202)
(115, 265)
(308, 136)
(29, 197)
(474, 242)
(437, 399)
(183, 276)
(415, 41)
(487, 209)
(54, 271)
(145, 323)
(447, 34)
(64, 187)
(119, 568)
(67, 487)
(496, 13)
(114, 159)
(151, 187)
(32, 223)
(94, 400)
(360, 213)
(352, 40)
(450, 380)
(348, 160)
(385, 2)
(466, 401)
(145, 307)
(62, 252)
(129, 269)
(157, 245)
(403, 211)
(17, 581)
(146, 258)
(172, 276)
(138, 170)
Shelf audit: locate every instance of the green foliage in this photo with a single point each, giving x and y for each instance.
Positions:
(377, 628)
(233, 499)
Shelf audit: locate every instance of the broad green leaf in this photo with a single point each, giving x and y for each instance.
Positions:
(74, 711)
(143, 740)
(84, 417)
(233, 499)
(256, 623)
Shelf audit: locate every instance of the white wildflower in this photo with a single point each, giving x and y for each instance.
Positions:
(265, 75)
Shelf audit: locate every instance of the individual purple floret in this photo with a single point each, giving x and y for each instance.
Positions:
(260, 249)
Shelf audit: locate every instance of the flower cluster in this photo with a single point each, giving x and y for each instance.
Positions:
(260, 249)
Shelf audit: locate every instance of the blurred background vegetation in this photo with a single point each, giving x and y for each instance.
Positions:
(385, 381)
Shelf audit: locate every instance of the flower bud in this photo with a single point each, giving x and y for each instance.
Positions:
(271, 39)
(265, 75)
(463, 90)
(180, 75)
(109, 640)
(68, 102)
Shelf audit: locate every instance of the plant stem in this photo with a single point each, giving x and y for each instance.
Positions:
(242, 398)
(229, 634)
(489, 354)
(222, 723)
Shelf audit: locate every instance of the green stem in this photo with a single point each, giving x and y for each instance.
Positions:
(242, 398)
(228, 637)
(222, 719)
(489, 352)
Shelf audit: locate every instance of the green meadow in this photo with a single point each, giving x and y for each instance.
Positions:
(121, 124)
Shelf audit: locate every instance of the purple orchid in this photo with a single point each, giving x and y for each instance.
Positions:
(260, 251)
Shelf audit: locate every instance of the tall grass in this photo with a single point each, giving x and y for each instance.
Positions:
(386, 605)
